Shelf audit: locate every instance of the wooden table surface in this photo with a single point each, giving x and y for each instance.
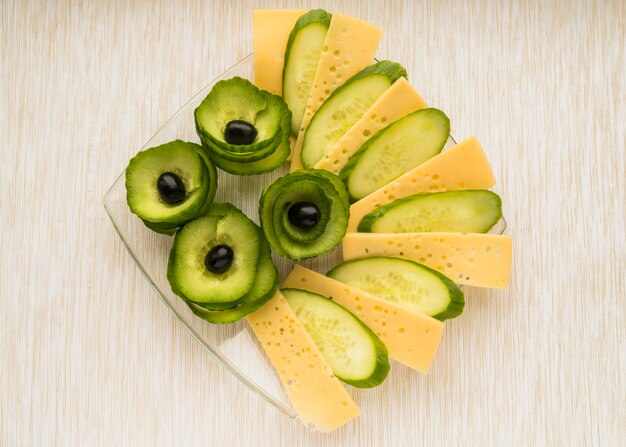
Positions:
(90, 356)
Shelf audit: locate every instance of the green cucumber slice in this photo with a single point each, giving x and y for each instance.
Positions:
(241, 157)
(274, 160)
(394, 150)
(265, 285)
(180, 158)
(312, 186)
(345, 106)
(355, 354)
(469, 211)
(302, 55)
(169, 228)
(187, 273)
(238, 99)
(405, 282)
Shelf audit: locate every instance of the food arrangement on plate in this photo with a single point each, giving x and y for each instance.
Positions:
(368, 175)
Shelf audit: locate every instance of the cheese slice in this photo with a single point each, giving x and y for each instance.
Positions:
(463, 166)
(349, 47)
(411, 338)
(398, 101)
(271, 29)
(317, 395)
(482, 260)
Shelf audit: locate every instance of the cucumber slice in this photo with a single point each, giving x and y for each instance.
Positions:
(242, 157)
(145, 168)
(169, 228)
(405, 282)
(302, 55)
(187, 273)
(344, 107)
(265, 285)
(238, 99)
(469, 211)
(394, 150)
(267, 164)
(314, 187)
(355, 354)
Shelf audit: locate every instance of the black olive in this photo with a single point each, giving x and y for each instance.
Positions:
(171, 188)
(240, 132)
(304, 215)
(219, 259)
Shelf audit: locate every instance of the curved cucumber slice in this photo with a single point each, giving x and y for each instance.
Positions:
(344, 107)
(404, 282)
(267, 164)
(169, 228)
(302, 55)
(469, 211)
(394, 150)
(180, 158)
(355, 354)
(187, 273)
(265, 285)
(242, 157)
(313, 186)
(238, 99)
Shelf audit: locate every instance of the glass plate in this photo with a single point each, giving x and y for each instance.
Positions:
(233, 345)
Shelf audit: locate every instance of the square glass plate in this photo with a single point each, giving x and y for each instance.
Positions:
(234, 345)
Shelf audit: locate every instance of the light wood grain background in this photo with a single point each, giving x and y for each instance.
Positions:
(90, 356)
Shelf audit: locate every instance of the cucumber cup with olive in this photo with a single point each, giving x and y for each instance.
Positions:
(305, 213)
(170, 184)
(245, 130)
(220, 265)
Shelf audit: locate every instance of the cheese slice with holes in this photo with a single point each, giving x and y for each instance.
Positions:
(349, 47)
(317, 395)
(482, 260)
(398, 101)
(411, 338)
(464, 166)
(271, 29)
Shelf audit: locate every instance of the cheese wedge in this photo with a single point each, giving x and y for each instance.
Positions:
(482, 260)
(317, 395)
(463, 166)
(271, 29)
(350, 46)
(398, 101)
(412, 338)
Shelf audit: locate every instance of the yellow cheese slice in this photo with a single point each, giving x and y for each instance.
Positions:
(317, 395)
(463, 166)
(482, 260)
(271, 29)
(411, 338)
(398, 101)
(349, 47)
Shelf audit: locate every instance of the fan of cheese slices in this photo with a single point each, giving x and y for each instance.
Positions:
(418, 219)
